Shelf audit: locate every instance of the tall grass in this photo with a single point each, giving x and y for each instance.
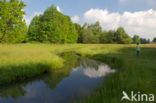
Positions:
(134, 73)
(20, 61)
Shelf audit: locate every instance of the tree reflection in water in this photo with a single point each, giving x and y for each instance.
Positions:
(77, 79)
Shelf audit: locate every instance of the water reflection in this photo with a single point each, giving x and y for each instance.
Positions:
(102, 70)
(76, 80)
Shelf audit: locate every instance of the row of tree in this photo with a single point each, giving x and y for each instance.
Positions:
(138, 39)
(93, 33)
(54, 27)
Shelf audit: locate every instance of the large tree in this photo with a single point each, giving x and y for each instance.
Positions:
(136, 39)
(108, 37)
(154, 39)
(122, 37)
(79, 30)
(34, 29)
(91, 33)
(52, 26)
(88, 36)
(12, 24)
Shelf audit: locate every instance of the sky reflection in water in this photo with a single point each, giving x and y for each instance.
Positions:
(76, 80)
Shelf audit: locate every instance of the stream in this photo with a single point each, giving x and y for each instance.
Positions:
(76, 80)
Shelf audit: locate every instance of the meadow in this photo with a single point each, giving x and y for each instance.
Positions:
(21, 61)
(134, 73)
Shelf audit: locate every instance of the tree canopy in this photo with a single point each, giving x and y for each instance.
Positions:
(136, 39)
(52, 26)
(144, 40)
(12, 24)
(93, 33)
(154, 39)
(122, 37)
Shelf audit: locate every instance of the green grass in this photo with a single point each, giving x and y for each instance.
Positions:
(20, 61)
(133, 74)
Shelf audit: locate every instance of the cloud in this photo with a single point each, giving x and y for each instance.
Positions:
(141, 23)
(58, 8)
(107, 20)
(102, 71)
(28, 20)
(37, 13)
(75, 19)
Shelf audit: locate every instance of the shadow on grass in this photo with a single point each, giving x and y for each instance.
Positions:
(14, 73)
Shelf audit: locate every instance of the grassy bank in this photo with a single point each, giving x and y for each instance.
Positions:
(21, 61)
(134, 73)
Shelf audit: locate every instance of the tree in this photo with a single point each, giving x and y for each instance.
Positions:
(34, 28)
(144, 40)
(122, 37)
(52, 26)
(107, 37)
(88, 36)
(79, 31)
(136, 39)
(91, 33)
(12, 24)
(97, 31)
(154, 39)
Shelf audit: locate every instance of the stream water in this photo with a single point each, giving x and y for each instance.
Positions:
(78, 79)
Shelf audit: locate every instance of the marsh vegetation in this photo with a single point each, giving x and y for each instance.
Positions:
(21, 62)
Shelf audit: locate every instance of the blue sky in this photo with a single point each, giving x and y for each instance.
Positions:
(136, 16)
(78, 7)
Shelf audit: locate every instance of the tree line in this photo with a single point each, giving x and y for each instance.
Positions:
(54, 27)
(93, 33)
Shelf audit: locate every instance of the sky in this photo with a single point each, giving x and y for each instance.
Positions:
(136, 16)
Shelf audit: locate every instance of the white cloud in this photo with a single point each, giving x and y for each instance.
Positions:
(58, 8)
(75, 19)
(141, 23)
(107, 20)
(102, 71)
(37, 13)
(28, 20)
